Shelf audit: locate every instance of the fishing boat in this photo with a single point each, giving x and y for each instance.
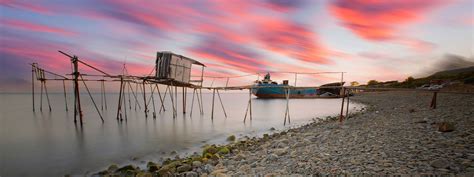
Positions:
(267, 88)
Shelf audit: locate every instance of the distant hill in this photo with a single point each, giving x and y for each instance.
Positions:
(453, 72)
(460, 75)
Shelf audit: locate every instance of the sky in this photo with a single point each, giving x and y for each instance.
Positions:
(367, 39)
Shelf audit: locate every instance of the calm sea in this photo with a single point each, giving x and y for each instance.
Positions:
(50, 144)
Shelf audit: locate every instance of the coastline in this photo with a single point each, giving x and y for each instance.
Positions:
(397, 133)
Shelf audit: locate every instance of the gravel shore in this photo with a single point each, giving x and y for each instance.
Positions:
(397, 133)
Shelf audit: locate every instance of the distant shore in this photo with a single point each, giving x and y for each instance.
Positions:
(397, 133)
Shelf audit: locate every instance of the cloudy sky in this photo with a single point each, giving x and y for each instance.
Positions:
(368, 39)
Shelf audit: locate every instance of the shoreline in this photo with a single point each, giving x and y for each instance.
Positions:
(397, 133)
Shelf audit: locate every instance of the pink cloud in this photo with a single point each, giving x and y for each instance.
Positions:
(25, 25)
(25, 6)
(380, 20)
(229, 54)
(291, 39)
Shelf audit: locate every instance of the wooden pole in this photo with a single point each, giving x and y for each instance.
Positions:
(144, 100)
(47, 95)
(192, 103)
(199, 97)
(433, 100)
(135, 95)
(101, 96)
(75, 102)
(128, 93)
(153, 101)
(250, 103)
(95, 105)
(184, 100)
(176, 99)
(164, 99)
(136, 100)
(161, 99)
(222, 104)
(76, 88)
(172, 100)
(119, 106)
(286, 109)
(347, 106)
(41, 96)
(124, 99)
(105, 95)
(65, 98)
(202, 105)
(213, 95)
(341, 117)
(33, 85)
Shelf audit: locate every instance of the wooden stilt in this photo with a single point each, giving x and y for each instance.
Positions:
(33, 85)
(248, 110)
(341, 116)
(101, 96)
(124, 101)
(202, 106)
(119, 106)
(250, 103)
(164, 98)
(76, 89)
(75, 102)
(153, 101)
(152, 92)
(105, 95)
(192, 104)
(222, 104)
(136, 100)
(144, 100)
(176, 99)
(172, 100)
(41, 96)
(47, 95)
(287, 111)
(65, 98)
(347, 106)
(135, 96)
(212, 111)
(128, 93)
(184, 100)
(161, 99)
(95, 105)
(199, 101)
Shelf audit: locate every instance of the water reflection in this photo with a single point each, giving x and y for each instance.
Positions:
(50, 144)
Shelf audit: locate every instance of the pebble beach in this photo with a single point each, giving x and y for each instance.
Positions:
(396, 133)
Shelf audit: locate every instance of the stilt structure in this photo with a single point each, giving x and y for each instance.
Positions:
(171, 70)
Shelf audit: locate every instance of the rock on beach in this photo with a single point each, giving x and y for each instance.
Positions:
(397, 133)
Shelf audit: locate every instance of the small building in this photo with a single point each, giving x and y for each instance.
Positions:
(175, 69)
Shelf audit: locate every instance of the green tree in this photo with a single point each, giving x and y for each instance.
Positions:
(409, 79)
(354, 83)
(372, 82)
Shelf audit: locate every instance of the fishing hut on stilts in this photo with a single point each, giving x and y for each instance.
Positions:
(172, 72)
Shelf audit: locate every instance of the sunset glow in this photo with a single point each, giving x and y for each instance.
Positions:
(384, 40)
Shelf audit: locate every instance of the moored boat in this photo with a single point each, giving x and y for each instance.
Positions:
(267, 88)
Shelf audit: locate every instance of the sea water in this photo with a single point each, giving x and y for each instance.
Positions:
(44, 143)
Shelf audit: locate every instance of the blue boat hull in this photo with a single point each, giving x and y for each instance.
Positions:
(279, 91)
